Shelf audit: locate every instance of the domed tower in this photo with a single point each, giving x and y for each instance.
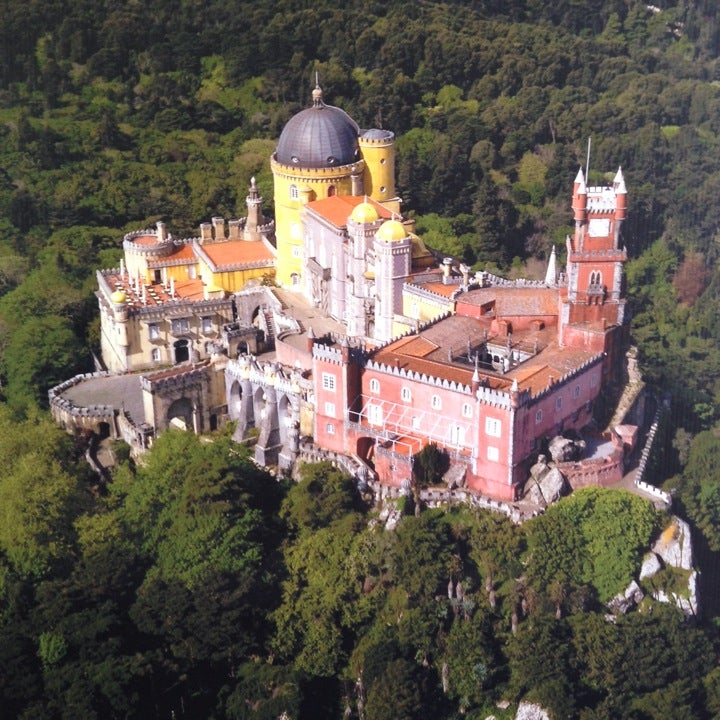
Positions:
(393, 260)
(363, 223)
(321, 152)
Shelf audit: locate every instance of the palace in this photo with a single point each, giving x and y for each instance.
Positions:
(334, 329)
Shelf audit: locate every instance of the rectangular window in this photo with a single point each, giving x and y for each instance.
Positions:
(493, 454)
(154, 331)
(558, 403)
(467, 410)
(328, 381)
(192, 272)
(207, 325)
(493, 427)
(576, 392)
(457, 435)
(156, 354)
(180, 325)
(330, 409)
(297, 251)
(374, 414)
(330, 428)
(538, 417)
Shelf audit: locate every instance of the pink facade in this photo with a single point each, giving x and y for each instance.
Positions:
(515, 365)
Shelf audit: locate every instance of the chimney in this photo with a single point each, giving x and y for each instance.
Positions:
(219, 226)
(234, 229)
(205, 232)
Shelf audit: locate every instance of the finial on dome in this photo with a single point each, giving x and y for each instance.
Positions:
(317, 93)
(253, 184)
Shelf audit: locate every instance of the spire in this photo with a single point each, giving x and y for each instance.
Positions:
(551, 273)
(619, 183)
(580, 178)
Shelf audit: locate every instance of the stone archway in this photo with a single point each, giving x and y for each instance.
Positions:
(366, 450)
(180, 414)
(235, 400)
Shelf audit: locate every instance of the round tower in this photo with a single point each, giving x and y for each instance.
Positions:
(378, 152)
(393, 258)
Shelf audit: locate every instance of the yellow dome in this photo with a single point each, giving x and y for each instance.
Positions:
(118, 297)
(392, 231)
(364, 213)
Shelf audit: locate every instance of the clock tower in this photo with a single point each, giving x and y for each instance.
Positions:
(596, 255)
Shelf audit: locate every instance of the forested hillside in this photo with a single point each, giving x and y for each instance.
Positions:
(189, 594)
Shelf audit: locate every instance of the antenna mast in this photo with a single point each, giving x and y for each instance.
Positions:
(587, 164)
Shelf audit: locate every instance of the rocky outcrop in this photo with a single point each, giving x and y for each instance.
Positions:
(546, 484)
(624, 602)
(674, 545)
(564, 449)
(673, 549)
(531, 711)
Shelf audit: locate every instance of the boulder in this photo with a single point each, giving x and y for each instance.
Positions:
(531, 711)
(549, 488)
(623, 602)
(564, 449)
(651, 564)
(674, 545)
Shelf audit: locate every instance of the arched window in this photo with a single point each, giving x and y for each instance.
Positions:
(405, 394)
(374, 385)
(435, 402)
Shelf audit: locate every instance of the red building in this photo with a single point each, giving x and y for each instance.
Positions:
(515, 364)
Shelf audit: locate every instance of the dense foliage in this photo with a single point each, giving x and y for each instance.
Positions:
(195, 584)
(198, 585)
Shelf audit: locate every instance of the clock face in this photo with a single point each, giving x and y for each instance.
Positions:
(599, 227)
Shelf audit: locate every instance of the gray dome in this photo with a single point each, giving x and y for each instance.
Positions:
(320, 136)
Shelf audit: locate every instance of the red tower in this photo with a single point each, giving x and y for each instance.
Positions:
(592, 310)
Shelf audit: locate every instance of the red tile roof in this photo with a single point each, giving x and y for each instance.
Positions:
(236, 252)
(338, 208)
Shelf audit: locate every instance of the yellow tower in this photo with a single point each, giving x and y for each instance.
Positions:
(320, 153)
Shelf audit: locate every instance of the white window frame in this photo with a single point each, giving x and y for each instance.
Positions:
(156, 355)
(493, 454)
(456, 434)
(207, 324)
(406, 394)
(330, 409)
(154, 331)
(329, 428)
(436, 402)
(493, 427)
(374, 386)
(374, 414)
(467, 410)
(328, 381)
(180, 325)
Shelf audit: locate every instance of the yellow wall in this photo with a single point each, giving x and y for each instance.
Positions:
(379, 174)
(231, 281)
(312, 185)
(421, 308)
